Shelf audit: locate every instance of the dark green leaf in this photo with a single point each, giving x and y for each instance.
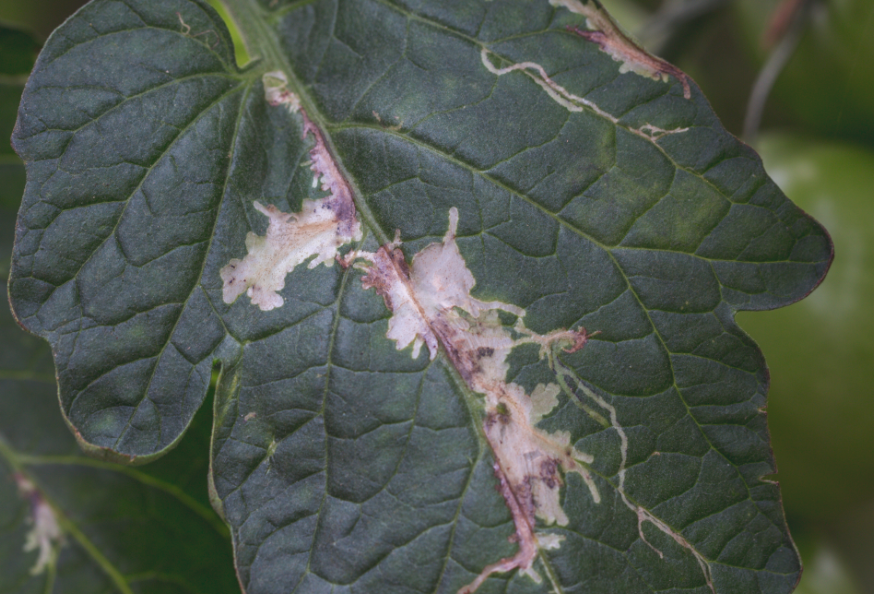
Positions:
(120, 530)
(593, 197)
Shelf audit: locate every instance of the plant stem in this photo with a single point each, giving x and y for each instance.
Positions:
(769, 73)
(258, 36)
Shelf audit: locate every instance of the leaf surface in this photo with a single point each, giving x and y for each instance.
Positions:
(70, 524)
(585, 194)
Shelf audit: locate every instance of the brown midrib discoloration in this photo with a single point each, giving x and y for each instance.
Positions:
(344, 211)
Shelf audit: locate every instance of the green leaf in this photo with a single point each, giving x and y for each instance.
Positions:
(104, 528)
(588, 190)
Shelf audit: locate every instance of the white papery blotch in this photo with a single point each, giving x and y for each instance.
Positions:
(544, 398)
(276, 91)
(318, 231)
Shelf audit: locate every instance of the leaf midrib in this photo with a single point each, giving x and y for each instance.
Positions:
(364, 212)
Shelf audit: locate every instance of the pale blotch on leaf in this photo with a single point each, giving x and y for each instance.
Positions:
(544, 398)
(276, 91)
(290, 240)
(318, 231)
(431, 304)
(438, 281)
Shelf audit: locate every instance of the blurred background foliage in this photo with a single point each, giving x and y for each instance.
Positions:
(795, 79)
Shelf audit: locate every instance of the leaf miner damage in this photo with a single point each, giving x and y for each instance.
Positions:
(431, 304)
(568, 100)
(614, 42)
(320, 229)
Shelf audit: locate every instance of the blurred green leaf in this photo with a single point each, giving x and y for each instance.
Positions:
(18, 49)
(824, 570)
(828, 83)
(121, 530)
(17, 54)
